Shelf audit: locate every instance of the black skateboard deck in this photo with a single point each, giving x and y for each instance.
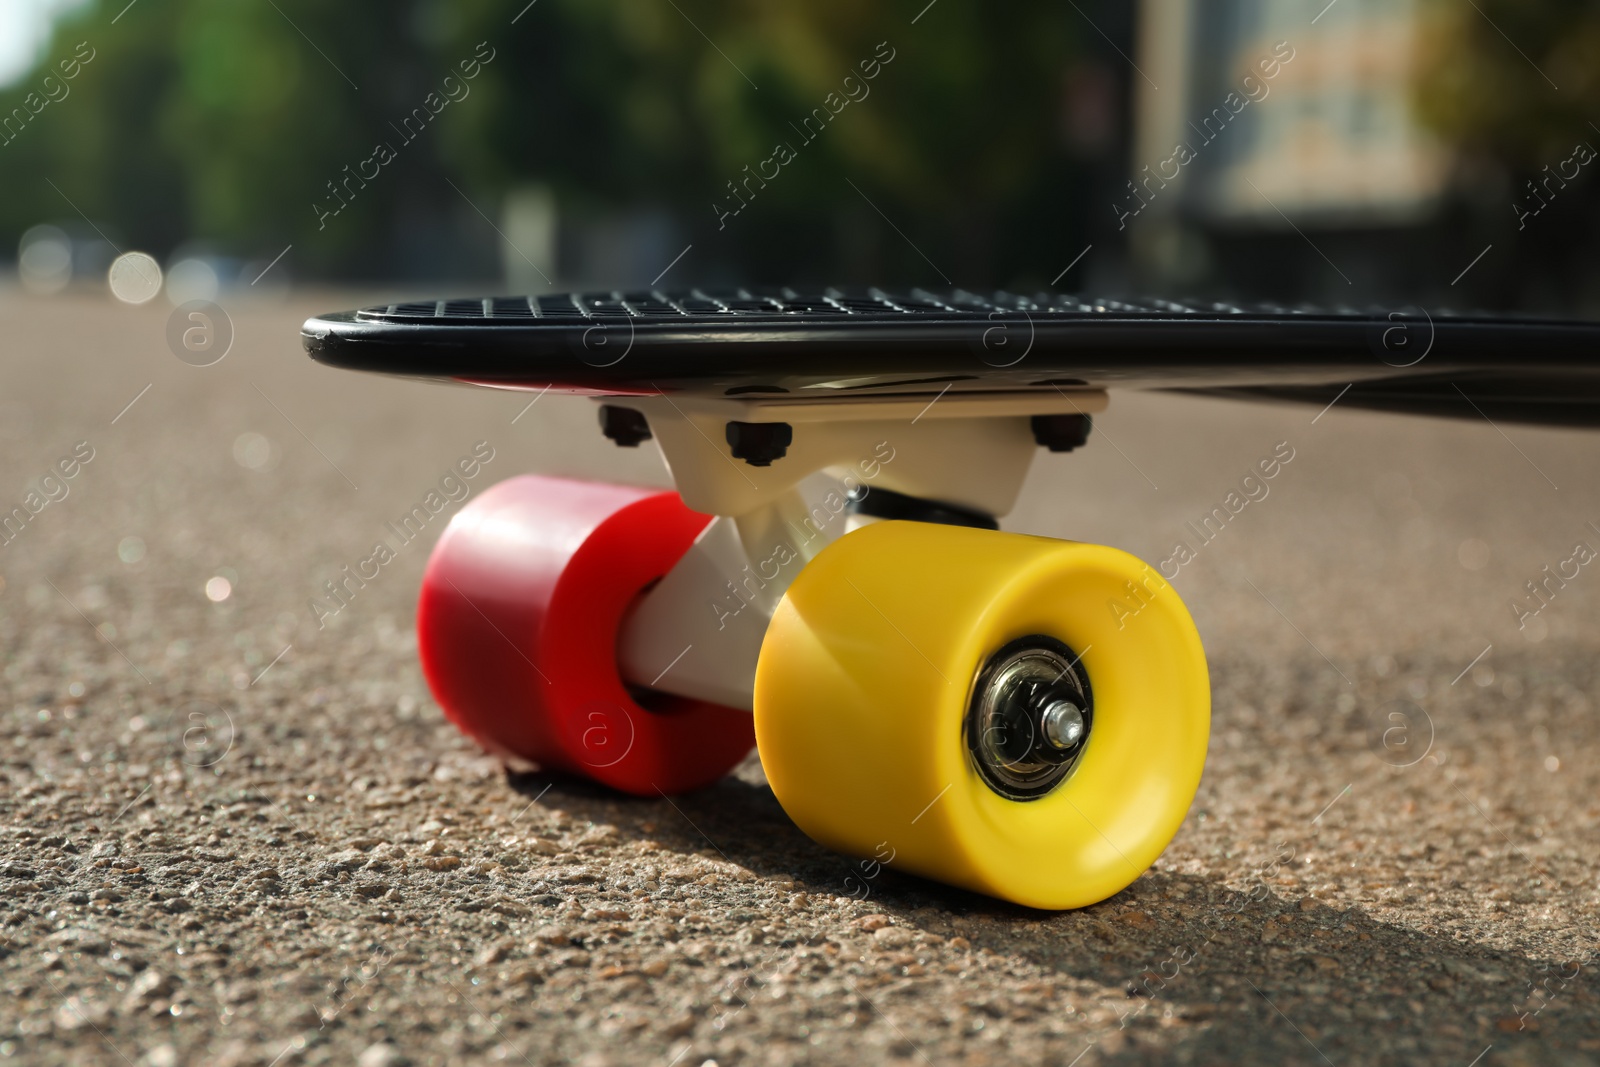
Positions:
(836, 342)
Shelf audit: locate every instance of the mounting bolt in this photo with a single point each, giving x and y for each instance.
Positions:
(1062, 433)
(625, 426)
(759, 443)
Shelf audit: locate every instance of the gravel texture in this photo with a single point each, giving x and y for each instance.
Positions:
(230, 836)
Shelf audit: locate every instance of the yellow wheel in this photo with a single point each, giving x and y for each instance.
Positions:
(1020, 716)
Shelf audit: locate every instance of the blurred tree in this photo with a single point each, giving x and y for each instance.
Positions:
(1516, 79)
(957, 137)
(1514, 87)
(222, 122)
(235, 122)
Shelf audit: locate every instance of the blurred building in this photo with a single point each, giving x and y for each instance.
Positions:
(1255, 117)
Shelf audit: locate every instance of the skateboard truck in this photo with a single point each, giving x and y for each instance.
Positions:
(846, 462)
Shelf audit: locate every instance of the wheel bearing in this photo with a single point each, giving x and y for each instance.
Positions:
(1029, 718)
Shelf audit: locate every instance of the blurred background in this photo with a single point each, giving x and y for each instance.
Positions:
(1430, 151)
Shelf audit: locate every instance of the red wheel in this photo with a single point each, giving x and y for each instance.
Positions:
(517, 625)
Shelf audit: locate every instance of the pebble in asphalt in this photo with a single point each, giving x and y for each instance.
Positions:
(234, 833)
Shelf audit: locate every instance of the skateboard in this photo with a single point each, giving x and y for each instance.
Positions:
(1019, 716)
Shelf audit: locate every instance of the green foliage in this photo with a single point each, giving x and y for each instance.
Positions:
(1514, 87)
(1515, 80)
(226, 120)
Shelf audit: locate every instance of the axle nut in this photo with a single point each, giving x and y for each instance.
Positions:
(1063, 724)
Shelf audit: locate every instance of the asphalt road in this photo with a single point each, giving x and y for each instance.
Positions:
(231, 835)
